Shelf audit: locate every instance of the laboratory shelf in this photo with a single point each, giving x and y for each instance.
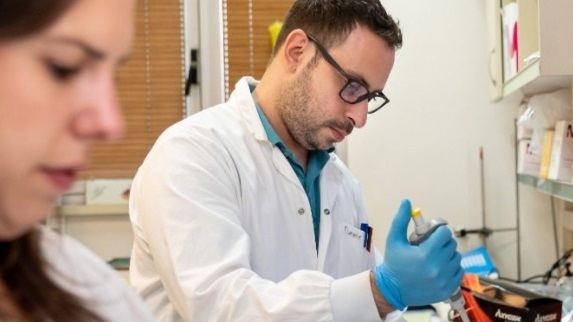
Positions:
(92, 210)
(561, 190)
(531, 82)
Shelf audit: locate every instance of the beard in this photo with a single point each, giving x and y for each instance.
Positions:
(304, 116)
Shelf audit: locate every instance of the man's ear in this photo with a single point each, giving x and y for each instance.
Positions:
(295, 50)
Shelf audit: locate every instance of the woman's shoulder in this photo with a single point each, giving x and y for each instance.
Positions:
(79, 271)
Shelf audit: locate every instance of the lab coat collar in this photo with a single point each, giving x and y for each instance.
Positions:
(243, 100)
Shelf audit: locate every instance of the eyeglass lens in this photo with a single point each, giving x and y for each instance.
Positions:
(355, 92)
(375, 103)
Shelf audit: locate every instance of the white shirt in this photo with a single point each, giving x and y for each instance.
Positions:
(223, 227)
(77, 270)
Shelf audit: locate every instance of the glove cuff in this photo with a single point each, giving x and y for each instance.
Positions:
(390, 292)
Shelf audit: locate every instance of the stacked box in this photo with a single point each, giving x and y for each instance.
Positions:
(501, 301)
(527, 162)
(562, 152)
(546, 154)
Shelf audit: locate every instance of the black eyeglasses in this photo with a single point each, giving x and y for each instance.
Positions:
(354, 91)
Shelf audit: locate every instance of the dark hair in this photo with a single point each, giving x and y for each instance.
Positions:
(19, 18)
(22, 266)
(331, 21)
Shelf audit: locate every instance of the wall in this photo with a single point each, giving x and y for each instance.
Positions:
(425, 144)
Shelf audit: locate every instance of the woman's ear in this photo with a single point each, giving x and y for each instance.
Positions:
(295, 49)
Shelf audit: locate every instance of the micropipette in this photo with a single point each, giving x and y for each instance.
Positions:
(422, 230)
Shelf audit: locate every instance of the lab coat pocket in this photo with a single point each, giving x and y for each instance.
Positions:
(352, 249)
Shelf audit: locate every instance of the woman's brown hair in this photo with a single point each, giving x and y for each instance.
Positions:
(19, 18)
(22, 266)
(37, 297)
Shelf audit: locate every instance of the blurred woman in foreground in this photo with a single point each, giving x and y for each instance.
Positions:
(58, 60)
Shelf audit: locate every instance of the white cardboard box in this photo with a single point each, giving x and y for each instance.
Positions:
(76, 195)
(527, 162)
(78, 188)
(107, 191)
(562, 152)
(524, 133)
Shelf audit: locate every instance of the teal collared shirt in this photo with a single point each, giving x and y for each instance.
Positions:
(310, 179)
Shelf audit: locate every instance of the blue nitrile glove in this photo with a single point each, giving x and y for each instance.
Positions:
(417, 275)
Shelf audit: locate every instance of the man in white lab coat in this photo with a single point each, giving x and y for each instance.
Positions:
(242, 212)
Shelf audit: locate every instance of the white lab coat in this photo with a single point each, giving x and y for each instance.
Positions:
(223, 227)
(80, 272)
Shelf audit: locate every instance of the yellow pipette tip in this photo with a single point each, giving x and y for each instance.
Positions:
(416, 212)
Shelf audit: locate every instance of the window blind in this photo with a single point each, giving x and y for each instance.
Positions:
(247, 43)
(150, 89)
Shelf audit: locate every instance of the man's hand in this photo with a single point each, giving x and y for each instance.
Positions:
(417, 275)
